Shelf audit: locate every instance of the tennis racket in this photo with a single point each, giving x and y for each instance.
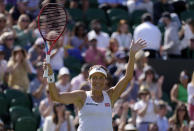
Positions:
(52, 18)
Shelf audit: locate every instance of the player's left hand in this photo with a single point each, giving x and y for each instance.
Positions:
(138, 45)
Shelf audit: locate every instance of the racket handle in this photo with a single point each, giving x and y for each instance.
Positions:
(45, 75)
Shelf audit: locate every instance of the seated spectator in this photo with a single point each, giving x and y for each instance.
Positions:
(160, 7)
(96, 32)
(24, 34)
(63, 82)
(162, 120)
(153, 127)
(108, 4)
(18, 68)
(141, 62)
(2, 23)
(46, 107)
(95, 55)
(79, 38)
(179, 90)
(153, 38)
(191, 125)
(61, 120)
(171, 38)
(3, 65)
(140, 5)
(146, 109)
(122, 35)
(190, 92)
(111, 51)
(36, 53)
(7, 39)
(180, 117)
(149, 80)
(130, 127)
(38, 86)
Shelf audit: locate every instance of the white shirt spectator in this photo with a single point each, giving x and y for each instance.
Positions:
(77, 81)
(63, 88)
(150, 115)
(150, 33)
(57, 61)
(102, 39)
(162, 123)
(190, 92)
(187, 36)
(124, 40)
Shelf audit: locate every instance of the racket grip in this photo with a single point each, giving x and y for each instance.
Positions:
(45, 75)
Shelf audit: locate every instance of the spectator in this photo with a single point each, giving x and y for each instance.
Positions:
(153, 37)
(179, 90)
(7, 39)
(189, 51)
(186, 33)
(2, 23)
(130, 127)
(191, 126)
(46, 107)
(79, 38)
(77, 81)
(162, 120)
(140, 5)
(111, 51)
(105, 5)
(3, 65)
(149, 80)
(171, 38)
(122, 35)
(63, 83)
(18, 68)
(94, 54)
(36, 53)
(160, 7)
(190, 92)
(102, 37)
(180, 117)
(61, 120)
(2, 126)
(24, 34)
(141, 62)
(146, 109)
(38, 86)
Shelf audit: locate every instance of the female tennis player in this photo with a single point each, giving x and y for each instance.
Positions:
(95, 106)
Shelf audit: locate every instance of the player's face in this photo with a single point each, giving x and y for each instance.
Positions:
(98, 81)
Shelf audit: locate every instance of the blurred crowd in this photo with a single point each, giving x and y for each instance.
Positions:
(143, 106)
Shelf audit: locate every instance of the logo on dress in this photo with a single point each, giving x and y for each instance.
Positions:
(107, 104)
(94, 104)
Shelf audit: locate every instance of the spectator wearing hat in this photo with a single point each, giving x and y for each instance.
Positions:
(150, 80)
(94, 54)
(153, 38)
(3, 65)
(146, 109)
(162, 120)
(18, 68)
(7, 39)
(38, 85)
(63, 83)
(77, 81)
(96, 32)
(141, 62)
(171, 38)
(36, 52)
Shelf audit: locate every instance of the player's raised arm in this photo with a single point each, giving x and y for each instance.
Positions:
(116, 91)
(74, 97)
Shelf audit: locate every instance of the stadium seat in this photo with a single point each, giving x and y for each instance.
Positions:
(16, 97)
(19, 111)
(115, 15)
(93, 3)
(25, 123)
(187, 14)
(76, 14)
(136, 16)
(3, 108)
(93, 13)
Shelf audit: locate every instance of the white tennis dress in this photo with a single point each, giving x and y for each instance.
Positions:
(95, 116)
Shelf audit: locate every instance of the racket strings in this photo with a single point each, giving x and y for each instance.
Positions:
(52, 18)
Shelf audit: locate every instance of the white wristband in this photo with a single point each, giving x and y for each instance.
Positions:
(51, 78)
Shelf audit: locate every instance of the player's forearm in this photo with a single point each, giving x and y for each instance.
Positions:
(130, 66)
